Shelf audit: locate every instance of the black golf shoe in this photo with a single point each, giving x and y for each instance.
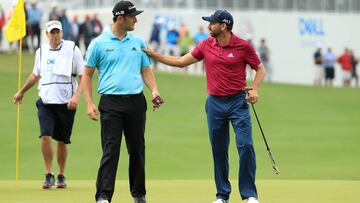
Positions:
(49, 181)
(61, 183)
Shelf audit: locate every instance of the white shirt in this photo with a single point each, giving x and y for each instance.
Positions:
(54, 88)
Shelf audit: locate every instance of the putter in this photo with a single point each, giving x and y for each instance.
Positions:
(275, 168)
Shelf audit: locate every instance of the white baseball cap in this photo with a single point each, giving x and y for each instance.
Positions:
(54, 24)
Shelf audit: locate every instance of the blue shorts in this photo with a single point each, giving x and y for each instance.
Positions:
(55, 120)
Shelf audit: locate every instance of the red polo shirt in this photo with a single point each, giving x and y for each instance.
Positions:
(226, 66)
(345, 62)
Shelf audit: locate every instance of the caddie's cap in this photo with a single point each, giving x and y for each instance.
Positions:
(220, 16)
(125, 8)
(54, 24)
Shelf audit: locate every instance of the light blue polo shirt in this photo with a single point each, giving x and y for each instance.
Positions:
(119, 63)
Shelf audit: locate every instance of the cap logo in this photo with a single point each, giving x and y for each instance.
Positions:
(131, 7)
(51, 24)
(226, 21)
(119, 13)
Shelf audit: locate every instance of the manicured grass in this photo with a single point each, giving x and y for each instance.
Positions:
(313, 133)
(187, 191)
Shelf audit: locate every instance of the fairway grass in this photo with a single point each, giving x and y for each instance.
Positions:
(186, 191)
(313, 133)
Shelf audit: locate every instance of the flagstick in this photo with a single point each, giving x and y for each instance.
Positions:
(18, 117)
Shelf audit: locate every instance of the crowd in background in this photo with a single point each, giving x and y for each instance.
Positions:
(325, 61)
(165, 37)
(179, 41)
(73, 30)
(168, 38)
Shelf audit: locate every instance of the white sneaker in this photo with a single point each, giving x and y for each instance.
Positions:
(221, 201)
(252, 200)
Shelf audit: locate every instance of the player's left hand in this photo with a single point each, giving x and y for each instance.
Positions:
(252, 95)
(157, 101)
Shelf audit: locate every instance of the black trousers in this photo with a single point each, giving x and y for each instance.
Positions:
(122, 114)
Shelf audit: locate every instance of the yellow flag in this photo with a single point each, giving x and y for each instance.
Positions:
(16, 27)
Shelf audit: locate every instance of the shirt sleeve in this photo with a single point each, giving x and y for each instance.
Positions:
(78, 62)
(251, 57)
(36, 68)
(145, 59)
(198, 51)
(91, 56)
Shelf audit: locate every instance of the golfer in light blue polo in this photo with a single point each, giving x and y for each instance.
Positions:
(123, 69)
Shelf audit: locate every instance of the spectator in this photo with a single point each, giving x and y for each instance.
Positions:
(54, 13)
(354, 62)
(34, 20)
(75, 30)
(172, 38)
(25, 45)
(264, 53)
(185, 43)
(346, 66)
(329, 59)
(200, 36)
(155, 37)
(249, 71)
(318, 68)
(183, 29)
(97, 26)
(65, 24)
(87, 31)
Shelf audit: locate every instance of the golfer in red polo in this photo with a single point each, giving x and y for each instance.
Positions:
(226, 56)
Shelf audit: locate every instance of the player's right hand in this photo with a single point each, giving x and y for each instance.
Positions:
(92, 112)
(17, 99)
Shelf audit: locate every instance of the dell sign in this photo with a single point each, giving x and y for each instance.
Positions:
(311, 27)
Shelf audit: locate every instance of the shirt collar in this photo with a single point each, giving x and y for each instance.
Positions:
(111, 35)
(58, 47)
(233, 41)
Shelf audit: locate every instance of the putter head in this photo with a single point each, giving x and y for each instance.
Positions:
(275, 168)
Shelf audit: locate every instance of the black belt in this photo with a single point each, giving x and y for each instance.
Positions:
(122, 95)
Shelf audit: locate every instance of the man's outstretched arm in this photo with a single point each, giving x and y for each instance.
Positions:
(177, 61)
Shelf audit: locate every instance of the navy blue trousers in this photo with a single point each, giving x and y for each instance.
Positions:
(220, 112)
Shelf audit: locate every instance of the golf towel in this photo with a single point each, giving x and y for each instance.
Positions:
(63, 64)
